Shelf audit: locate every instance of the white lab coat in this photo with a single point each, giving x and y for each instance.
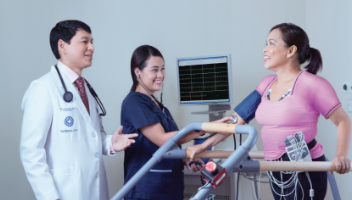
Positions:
(63, 159)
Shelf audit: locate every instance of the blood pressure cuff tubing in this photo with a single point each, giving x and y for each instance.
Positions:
(246, 109)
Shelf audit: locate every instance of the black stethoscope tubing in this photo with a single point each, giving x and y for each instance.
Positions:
(68, 96)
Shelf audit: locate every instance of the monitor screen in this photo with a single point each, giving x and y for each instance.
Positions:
(204, 80)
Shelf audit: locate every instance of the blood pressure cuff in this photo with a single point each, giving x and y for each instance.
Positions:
(246, 109)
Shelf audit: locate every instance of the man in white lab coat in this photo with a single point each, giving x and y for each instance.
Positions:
(62, 142)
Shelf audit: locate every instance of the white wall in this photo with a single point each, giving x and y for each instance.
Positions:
(176, 28)
(329, 26)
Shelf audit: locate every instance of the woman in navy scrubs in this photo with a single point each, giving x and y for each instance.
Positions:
(142, 113)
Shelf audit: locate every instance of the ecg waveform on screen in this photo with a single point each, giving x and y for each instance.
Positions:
(204, 82)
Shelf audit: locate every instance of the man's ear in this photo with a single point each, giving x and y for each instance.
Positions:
(61, 46)
(291, 51)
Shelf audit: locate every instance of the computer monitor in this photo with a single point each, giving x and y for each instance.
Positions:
(205, 80)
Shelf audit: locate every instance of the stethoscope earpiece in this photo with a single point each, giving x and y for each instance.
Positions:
(68, 96)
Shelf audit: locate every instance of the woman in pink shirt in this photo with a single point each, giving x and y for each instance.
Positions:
(292, 101)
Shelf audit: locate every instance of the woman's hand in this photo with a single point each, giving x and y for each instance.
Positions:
(222, 120)
(193, 167)
(342, 164)
(343, 123)
(195, 150)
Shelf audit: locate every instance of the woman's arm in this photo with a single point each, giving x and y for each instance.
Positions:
(245, 112)
(343, 122)
(156, 133)
(213, 140)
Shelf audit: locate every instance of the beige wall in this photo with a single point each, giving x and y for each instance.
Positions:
(178, 29)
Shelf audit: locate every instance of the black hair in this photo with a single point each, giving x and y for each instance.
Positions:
(139, 59)
(65, 30)
(295, 35)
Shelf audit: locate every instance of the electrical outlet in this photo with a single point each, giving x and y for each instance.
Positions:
(349, 106)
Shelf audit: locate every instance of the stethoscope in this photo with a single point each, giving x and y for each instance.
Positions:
(68, 96)
(160, 103)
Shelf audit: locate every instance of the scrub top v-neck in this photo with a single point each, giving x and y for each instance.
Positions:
(165, 180)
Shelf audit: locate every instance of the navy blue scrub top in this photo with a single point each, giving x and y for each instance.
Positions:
(165, 179)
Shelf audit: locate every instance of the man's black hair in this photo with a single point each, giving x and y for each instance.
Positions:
(65, 30)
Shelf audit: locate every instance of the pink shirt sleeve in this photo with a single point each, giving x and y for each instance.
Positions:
(324, 97)
(264, 84)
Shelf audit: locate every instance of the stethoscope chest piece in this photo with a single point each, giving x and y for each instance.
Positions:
(68, 96)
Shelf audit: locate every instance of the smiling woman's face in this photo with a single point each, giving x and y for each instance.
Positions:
(153, 75)
(275, 52)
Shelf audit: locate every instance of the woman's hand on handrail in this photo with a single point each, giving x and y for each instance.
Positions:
(342, 164)
(198, 148)
(193, 167)
(344, 126)
(213, 140)
(223, 120)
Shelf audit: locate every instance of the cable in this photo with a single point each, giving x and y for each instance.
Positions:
(203, 138)
(311, 191)
(161, 94)
(282, 190)
(238, 174)
(283, 186)
(260, 174)
(293, 180)
(237, 186)
(204, 185)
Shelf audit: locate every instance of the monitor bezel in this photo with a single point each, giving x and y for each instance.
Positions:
(229, 77)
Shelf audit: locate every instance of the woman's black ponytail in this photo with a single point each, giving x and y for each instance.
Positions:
(315, 61)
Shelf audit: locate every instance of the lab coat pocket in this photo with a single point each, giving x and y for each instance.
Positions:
(67, 181)
(64, 171)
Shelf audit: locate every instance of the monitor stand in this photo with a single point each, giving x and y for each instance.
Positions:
(215, 112)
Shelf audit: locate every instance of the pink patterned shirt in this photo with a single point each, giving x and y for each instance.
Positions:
(311, 96)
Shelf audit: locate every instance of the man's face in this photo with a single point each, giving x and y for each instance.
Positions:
(79, 53)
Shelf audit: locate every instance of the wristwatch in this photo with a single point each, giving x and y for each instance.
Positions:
(233, 120)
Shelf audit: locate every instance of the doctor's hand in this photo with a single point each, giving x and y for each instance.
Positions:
(121, 141)
(193, 167)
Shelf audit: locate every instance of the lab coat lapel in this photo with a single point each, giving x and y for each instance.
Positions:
(92, 105)
(76, 98)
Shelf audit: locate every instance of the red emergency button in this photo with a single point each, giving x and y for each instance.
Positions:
(210, 166)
